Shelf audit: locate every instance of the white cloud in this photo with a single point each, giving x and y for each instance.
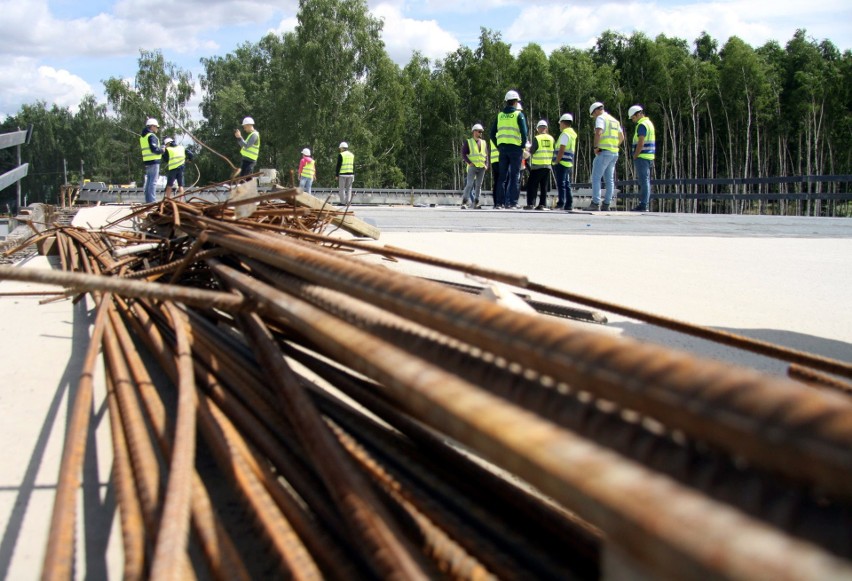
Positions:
(286, 25)
(754, 21)
(403, 35)
(23, 81)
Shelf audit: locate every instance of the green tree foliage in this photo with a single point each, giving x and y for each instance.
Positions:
(734, 111)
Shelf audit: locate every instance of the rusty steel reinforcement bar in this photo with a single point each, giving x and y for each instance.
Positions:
(672, 531)
(172, 535)
(225, 562)
(59, 556)
(127, 287)
(394, 557)
(749, 414)
(724, 337)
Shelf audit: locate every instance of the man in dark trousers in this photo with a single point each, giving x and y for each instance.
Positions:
(509, 132)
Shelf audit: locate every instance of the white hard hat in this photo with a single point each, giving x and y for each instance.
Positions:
(477, 127)
(306, 151)
(566, 117)
(152, 121)
(595, 105)
(541, 123)
(634, 110)
(248, 121)
(168, 140)
(343, 145)
(513, 96)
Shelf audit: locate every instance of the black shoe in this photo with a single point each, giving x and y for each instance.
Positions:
(594, 207)
(558, 207)
(540, 208)
(477, 207)
(639, 208)
(569, 209)
(498, 207)
(464, 206)
(528, 207)
(604, 207)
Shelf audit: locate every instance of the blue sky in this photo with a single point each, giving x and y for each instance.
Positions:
(59, 50)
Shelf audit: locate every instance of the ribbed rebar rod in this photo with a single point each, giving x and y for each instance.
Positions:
(669, 529)
(369, 522)
(126, 287)
(724, 337)
(744, 412)
(173, 534)
(59, 556)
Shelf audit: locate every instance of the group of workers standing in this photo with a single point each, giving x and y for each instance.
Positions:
(174, 157)
(509, 149)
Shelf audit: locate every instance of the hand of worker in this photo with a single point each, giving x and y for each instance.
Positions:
(237, 134)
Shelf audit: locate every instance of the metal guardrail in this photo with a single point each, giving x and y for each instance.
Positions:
(15, 175)
(664, 199)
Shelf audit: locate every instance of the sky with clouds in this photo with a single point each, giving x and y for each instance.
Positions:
(57, 51)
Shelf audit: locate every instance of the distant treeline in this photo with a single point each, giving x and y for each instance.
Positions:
(728, 112)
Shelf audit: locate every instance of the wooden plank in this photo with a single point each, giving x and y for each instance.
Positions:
(346, 221)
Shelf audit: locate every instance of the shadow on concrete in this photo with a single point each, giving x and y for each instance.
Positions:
(67, 385)
(831, 348)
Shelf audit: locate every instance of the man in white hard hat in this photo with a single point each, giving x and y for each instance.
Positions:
(509, 132)
(345, 173)
(475, 157)
(152, 154)
(608, 138)
(307, 171)
(644, 151)
(563, 162)
(249, 147)
(541, 157)
(175, 161)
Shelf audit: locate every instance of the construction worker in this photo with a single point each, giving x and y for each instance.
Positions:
(307, 171)
(249, 147)
(541, 158)
(175, 158)
(644, 150)
(563, 162)
(608, 138)
(509, 132)
(345, 173)
(475, 156)
(151, 156)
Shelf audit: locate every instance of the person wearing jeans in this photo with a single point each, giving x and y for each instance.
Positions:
(152, 154)
(644, 151)
(563, 162)
(608, 137)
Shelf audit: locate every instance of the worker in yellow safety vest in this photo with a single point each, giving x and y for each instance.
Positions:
(607, 139)
(644, 151)
(475, 157)
(563, 162)
(149, 143)
(249, 147)
(307, 171)
(541, 157)
(174, 159)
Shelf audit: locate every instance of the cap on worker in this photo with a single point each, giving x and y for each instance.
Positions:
(168, 140)
(634, 110)
(541, 123)
(248, 121)
(477, 127)
(513, 96)
(306, 151)
(595, 106)
(566, 117)
(343, 145)
(152, 121)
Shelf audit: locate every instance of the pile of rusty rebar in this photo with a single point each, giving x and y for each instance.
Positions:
(372, 424)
